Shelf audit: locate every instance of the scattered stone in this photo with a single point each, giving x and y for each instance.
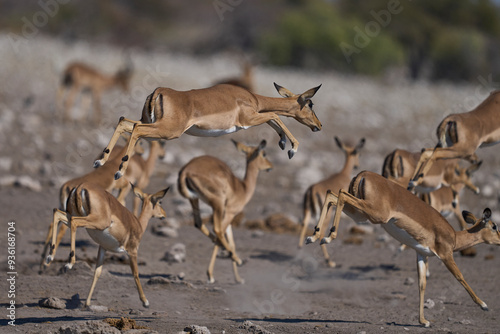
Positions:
(176, 254)
(166, 231)
(489, 257)
(257, 234)
(123, 323)
(194, 329)
(52, 302)
(280, 223)
(252, 328)
(98, 308)
(135, 312)
(466, 322)
(409, 281)
(429, 303)
(21, 181)
(354, 240)
(383, 238)
(361, 229)
(86, 327)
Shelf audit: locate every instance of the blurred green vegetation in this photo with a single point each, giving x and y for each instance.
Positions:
(447, 39)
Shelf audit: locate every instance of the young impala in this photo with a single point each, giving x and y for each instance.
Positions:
(412, 222)
(214, 111)
(315, 194)
(109, 224)
(211, 180)
(139, 173)
(460, 135)
(81, 78)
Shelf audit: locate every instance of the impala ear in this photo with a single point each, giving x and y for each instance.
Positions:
(240, 147)
(360, 144)
(283, 91)
(339, 142)
(159, 195)
(262, 144)
(310, 93)
(469, 217)
(486, 215)
(137, 192)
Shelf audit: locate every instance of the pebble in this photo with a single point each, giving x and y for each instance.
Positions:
(409, 281)
(177, 253)
(52, 302)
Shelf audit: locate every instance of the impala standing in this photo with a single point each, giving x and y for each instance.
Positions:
(211, 180)
(315, 194)
(109, 224)
(410, 221)
(214, 111)
(81, 78)
(460, 135)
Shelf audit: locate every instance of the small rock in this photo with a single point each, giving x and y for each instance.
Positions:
(252, 328)
(409, 281)
(361, 229)
(135, 312)
(52, 302)
(177, 253)
(383, 238)
(257, 234)
(29, 183)
(194, 329)
(466, 322)
(166, 231)
(92, 326)
(429, 303)
(353, 240)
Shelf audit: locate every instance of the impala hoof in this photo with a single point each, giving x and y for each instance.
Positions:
(282, 144)
(118, 175)
(484, 307)
(426, 324)
(211, 280)
(145, 304)
(97, 163)
(309, 240)
(324, 241)
(49, 259)
(68, 266)
(291, 153)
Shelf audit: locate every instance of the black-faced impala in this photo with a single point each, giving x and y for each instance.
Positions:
(315, 194)
(211, 180)
(412, 222)
(109, 224)
(214, 111)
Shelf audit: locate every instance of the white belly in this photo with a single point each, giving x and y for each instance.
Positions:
(405, 238)
(106, 240)
(196, 131)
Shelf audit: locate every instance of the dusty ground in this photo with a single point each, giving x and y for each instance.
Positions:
(286, 290)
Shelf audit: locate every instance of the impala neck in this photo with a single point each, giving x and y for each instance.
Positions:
(279, 105)
(250, 180)
(350, 161)
(468, 238)
(145, 216)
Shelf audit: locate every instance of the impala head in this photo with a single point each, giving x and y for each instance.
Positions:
(151, 202)
(463, 176)
(487, 228)
(303, 112)
(255, 154)
(351, 151)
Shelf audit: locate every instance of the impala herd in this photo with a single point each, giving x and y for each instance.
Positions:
(408, 200)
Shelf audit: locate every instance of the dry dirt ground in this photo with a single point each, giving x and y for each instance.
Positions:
(373, 288)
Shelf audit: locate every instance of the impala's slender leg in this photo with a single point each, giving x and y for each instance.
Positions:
(279, 130)
(305, 223)
(230, 239)
(60, 234)
(57, 217)
(135, 271)
(220, 231)
(124, 125)
(210, 270)
(452, 267)
(198, 222)
(422, 266)
(141, 130)
(330, 199)
(89, 222)
(97, 273)
(284, 129)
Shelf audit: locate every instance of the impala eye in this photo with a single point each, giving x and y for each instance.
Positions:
(494, 227)
(310, 104)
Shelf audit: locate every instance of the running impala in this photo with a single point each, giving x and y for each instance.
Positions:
(214, 111)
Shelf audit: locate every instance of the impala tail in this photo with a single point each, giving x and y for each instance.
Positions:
(447, 133)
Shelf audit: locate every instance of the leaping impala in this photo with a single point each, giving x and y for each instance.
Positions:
(139, 173)
(410, 221)
(109, 224)
(211, 180)
(315, 194)
(79, 78)
(214, 111)
(460, 135)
